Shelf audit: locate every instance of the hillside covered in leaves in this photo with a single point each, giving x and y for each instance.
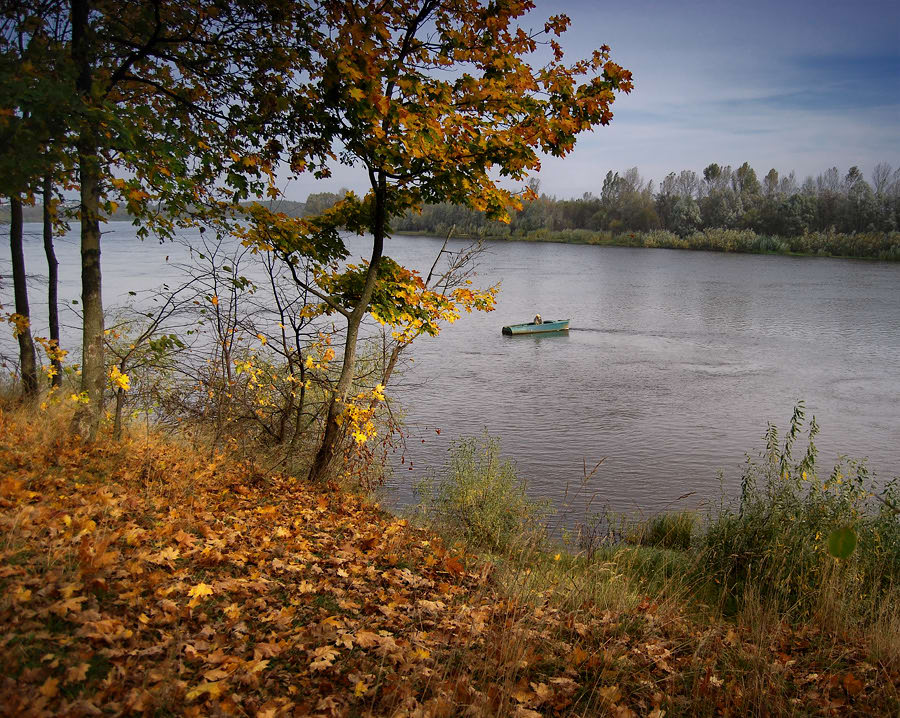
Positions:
(145, 578)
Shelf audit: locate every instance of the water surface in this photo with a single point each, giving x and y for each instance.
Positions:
(674, 362)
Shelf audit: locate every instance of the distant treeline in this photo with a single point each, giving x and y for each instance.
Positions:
(724, 209)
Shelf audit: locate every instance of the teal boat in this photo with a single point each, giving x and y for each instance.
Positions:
(557, 325)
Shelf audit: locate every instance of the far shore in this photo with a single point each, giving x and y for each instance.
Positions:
(877, 246)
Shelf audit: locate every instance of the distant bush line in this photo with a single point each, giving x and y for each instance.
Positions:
(870, 245)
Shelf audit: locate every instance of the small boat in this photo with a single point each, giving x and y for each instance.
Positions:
(557, 325)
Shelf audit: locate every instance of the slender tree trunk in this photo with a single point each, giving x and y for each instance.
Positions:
(392, 363)
(331, 439)
(93, 376)
(27, 360)
(120, 410)
(87, 421)
(53, 281)
(301, 402)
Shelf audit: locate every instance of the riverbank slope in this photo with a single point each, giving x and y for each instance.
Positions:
(150, 576)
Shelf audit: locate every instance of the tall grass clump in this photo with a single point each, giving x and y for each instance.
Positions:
(480, 499)
(774, 545)
(666, 530)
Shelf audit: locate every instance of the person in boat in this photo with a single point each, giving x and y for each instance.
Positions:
(537, 319)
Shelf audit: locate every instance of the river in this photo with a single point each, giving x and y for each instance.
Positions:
(674, 363)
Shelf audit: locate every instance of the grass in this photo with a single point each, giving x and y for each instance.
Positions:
(668, 530)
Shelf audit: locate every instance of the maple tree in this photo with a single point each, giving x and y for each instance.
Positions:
(302, 269)
(435, 101)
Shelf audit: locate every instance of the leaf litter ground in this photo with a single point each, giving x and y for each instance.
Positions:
(141, 578)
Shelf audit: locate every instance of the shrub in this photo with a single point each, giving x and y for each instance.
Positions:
(481, 500)
(662, 238)
(776, 543)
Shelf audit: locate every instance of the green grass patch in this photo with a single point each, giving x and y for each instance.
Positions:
(481, 500)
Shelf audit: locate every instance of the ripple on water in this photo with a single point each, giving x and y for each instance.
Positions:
(724, 369)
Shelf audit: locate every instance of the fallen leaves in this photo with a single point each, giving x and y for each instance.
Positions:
(211, 689)
(200, 595)
(198, 592)
(323, 657)
(49, 688)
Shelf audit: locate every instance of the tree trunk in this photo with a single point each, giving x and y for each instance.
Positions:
(53, 281)
(27, 361)
(93, 378)
(120, 410)
(325, 455)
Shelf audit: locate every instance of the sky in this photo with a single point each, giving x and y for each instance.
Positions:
(799, 85)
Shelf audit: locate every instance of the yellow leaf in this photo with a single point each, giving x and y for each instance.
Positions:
(50, 687)
(579, 655)
(214, 690)
(522, 694)
(543, 691)
(198, 592)
(70, 604)
(117, 378)
(201, 589)
(359, 689)
(324, 657)
(168, 554)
